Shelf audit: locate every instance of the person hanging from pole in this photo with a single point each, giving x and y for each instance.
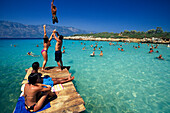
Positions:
(54, 10)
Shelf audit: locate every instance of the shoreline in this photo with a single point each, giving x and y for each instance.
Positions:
(136, 40)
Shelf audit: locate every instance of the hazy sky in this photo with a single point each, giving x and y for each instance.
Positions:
(92, 15)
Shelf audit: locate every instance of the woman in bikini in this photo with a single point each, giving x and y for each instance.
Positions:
(46, 46)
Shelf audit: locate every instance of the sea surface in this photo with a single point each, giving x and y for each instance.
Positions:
(132, 81)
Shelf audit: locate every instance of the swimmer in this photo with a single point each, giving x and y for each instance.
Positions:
(122, 49)
(63, 51)
(118, 48)
(84, 48)
(101, 54)
(31, 54)
(94, 49)
(160, 57)
(93, 54)
(151, 50)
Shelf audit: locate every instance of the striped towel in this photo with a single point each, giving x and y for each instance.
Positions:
(57, 87)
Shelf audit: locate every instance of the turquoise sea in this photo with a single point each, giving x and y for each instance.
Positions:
(118, 82)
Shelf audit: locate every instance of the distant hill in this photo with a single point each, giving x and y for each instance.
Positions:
(18, 30)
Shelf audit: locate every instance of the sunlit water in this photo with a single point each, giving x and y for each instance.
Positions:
(129, 81)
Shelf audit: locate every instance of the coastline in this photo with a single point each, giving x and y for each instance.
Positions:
(136, 40)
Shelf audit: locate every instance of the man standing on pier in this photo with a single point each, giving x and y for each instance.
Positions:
(58, 53)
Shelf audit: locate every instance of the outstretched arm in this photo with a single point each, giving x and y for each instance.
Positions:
(51, 37)
(57, 38)
(45, 30)
(52, 4)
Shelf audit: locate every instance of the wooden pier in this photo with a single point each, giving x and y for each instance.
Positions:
(68, 100)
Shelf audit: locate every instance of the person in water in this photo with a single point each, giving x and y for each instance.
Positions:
(151, 50)
(30, 93)
(101, 54)
(122, 49)
(160, 57)
(46, 46)
(93, 54)
(58, 53)
(54, 10)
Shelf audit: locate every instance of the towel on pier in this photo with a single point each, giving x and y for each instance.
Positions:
(47, 80)
(57, 87)
(20, 106)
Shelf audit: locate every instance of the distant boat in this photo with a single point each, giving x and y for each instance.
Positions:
(168, 45)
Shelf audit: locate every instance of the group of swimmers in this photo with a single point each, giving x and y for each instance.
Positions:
(94, 48)
(151, 49)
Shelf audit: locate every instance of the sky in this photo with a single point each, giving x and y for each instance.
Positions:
(91, 15)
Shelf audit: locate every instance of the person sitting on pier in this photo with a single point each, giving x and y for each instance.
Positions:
(62, 80)
(30, 93)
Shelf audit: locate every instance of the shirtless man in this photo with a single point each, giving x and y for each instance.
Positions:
(54, 10)
(58, 53)
(31, 90)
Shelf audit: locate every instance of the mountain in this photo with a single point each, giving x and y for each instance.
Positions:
(18, 30)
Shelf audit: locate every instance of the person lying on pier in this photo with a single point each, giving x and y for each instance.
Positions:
(30, 93)
(46, 46)
(54, 10)
(62, 80)
(58, 53)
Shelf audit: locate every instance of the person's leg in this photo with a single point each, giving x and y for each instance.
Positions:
(63, 78)
(40, 102)
(59, 66)
(63, 81)
(61, 62)
(44, 54)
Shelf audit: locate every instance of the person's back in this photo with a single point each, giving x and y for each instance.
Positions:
(30, 93)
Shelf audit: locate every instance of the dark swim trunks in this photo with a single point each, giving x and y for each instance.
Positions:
(30, 108)
(58, 55)
(55, 19)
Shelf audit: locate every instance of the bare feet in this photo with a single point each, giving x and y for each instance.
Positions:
(71, 78)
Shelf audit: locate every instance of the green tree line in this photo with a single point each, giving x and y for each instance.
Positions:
(158, 33)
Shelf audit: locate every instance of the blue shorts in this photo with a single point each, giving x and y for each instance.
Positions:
(58, 55)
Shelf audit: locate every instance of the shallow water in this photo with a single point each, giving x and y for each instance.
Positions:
(129, 81)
